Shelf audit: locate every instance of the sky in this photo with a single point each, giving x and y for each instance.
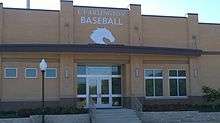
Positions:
(208, 10)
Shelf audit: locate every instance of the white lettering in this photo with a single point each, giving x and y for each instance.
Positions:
(83, 20)
(100, 20)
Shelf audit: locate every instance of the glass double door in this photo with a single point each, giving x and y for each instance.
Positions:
(99, 89)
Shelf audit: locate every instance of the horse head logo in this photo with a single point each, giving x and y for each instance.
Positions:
(101, 35)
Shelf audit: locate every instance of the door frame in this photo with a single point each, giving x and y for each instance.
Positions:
(99, 94)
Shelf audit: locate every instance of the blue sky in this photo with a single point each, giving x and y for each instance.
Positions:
(208, 10)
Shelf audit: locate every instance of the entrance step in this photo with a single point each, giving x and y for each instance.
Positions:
(116, 116)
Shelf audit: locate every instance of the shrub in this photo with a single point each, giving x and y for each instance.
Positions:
(47, 111)
(210, 94)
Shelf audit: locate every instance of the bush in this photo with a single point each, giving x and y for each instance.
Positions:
(210, 94)
(47, 111)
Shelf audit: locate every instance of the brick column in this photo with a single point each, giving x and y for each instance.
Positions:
(193, 34)
(135, 25)
(66, 22)
(193, 42)
(137, 76)
(126, 83)
(66, 76)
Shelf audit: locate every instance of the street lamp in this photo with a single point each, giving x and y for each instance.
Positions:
(43, 67)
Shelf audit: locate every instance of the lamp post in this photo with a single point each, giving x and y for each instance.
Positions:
(43, 67)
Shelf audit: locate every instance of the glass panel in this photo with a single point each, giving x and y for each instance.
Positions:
(92, 86)
(173, 87)
(99, 70)
(116, 85)
(94, 99)
(105, 100)
(148, 73)
(158, 73)
(158, 87)
(81, 85)
(81, 70)
(11, 72)
(181, 73)
(116, 70)
(116, 101)
(149, 87)
(182, 87)
(51, 72)
(172, 73)
(105, 86)
(31, 72)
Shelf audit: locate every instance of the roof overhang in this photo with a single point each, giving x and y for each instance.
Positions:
(97, 48)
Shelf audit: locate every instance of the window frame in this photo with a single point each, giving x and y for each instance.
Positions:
(36, 75)
(153, 78)
(177, 78)
(16, 75)
(51, 77)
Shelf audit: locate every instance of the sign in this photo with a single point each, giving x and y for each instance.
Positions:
(101, 16)
(102, 36)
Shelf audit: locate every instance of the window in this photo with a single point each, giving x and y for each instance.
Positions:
(177, 80)
(81, 86)
(116, 85)
(153, 82)
(30, 73)
(10, 73)
(51, 73)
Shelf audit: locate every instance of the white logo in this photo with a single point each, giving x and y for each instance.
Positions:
(101, 35)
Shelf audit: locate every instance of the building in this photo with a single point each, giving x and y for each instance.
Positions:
(108, 54)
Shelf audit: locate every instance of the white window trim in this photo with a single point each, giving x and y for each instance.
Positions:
(31, 77)
(177, 78)
(51, 77)
(152, 77)
(10, 68)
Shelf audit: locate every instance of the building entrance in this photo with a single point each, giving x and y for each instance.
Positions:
(102, 84)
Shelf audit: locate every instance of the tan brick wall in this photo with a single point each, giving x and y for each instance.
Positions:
(164, 31)
(25, 26)
(22, 88)
(209, 38)
(209, 70)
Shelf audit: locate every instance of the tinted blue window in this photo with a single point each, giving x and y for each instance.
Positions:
(10, 73)
(51, 73)
(31, 72)
(81, 70)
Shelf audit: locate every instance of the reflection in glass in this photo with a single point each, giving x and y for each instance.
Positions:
(81, 70)
(10, 72)
(173, 73)
(92, 86)
(94, 99)
(149, 87)
(105, 86)
(81, 85)
(31, 72)
(158, 87)
(105, 100)
(51, 72)
(173, 87)
(181, 73)
(99, 70)
(149, 73)
(116, 85)
(158, 73)
(182, 87)
(116, 70)
(116, 101)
